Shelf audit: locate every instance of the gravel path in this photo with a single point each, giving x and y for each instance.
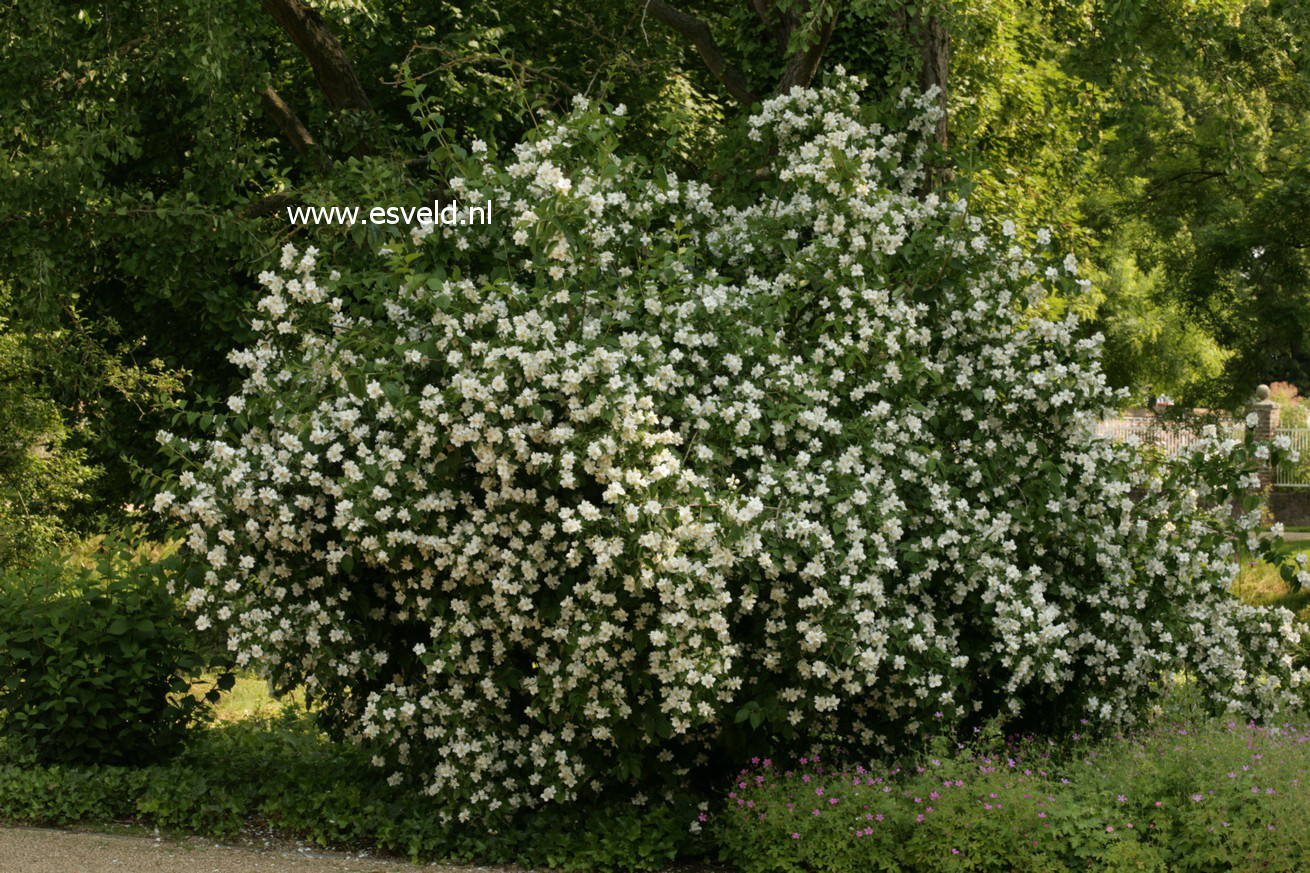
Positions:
(42, 850)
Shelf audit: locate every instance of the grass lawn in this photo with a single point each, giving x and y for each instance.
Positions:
(248, 698)
(1259, 583)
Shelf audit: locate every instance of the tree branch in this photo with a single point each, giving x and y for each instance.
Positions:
(307, 29)
(804, 64)
(934, 42)
(293, 129)
(935, 54)
(698, 33)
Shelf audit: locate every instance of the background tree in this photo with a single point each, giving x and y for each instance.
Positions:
(41, 477)
(1202, 178)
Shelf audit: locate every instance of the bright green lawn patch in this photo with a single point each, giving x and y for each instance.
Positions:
(248, 698)
(1261, 584)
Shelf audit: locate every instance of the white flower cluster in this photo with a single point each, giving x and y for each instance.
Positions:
(582, 498)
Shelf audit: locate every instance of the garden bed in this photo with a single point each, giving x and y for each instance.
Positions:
(1185, 792)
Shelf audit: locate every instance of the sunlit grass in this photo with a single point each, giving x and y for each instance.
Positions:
(1260, 584)
(248, 698)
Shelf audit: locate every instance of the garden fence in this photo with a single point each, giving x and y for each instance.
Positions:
(1172, 437)
(1295, 475)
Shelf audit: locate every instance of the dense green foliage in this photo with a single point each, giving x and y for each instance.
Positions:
(95, 665)
(41, 476)
(1203, 181)
(278, 770)
(1183, 796)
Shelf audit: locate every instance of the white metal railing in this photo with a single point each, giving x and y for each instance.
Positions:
(1171, 437)
(1295, 475)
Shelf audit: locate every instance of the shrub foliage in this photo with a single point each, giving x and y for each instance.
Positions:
(96, 665)
(649, 474)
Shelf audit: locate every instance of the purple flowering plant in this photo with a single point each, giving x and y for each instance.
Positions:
(1197, 795)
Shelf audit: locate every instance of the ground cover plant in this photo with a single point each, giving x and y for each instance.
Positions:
(659, 474)
(1178, 796)
(272, 769)
(1175, 795)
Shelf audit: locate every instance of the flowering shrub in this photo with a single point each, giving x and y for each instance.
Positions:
(1181, 796)
(647, 473)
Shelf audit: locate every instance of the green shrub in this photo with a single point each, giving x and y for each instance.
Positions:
(655, 474)
(95, 662)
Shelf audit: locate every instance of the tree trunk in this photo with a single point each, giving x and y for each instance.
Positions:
(294, 130)
(307, 29)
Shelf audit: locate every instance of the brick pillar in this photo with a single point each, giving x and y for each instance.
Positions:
(1266, 425)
